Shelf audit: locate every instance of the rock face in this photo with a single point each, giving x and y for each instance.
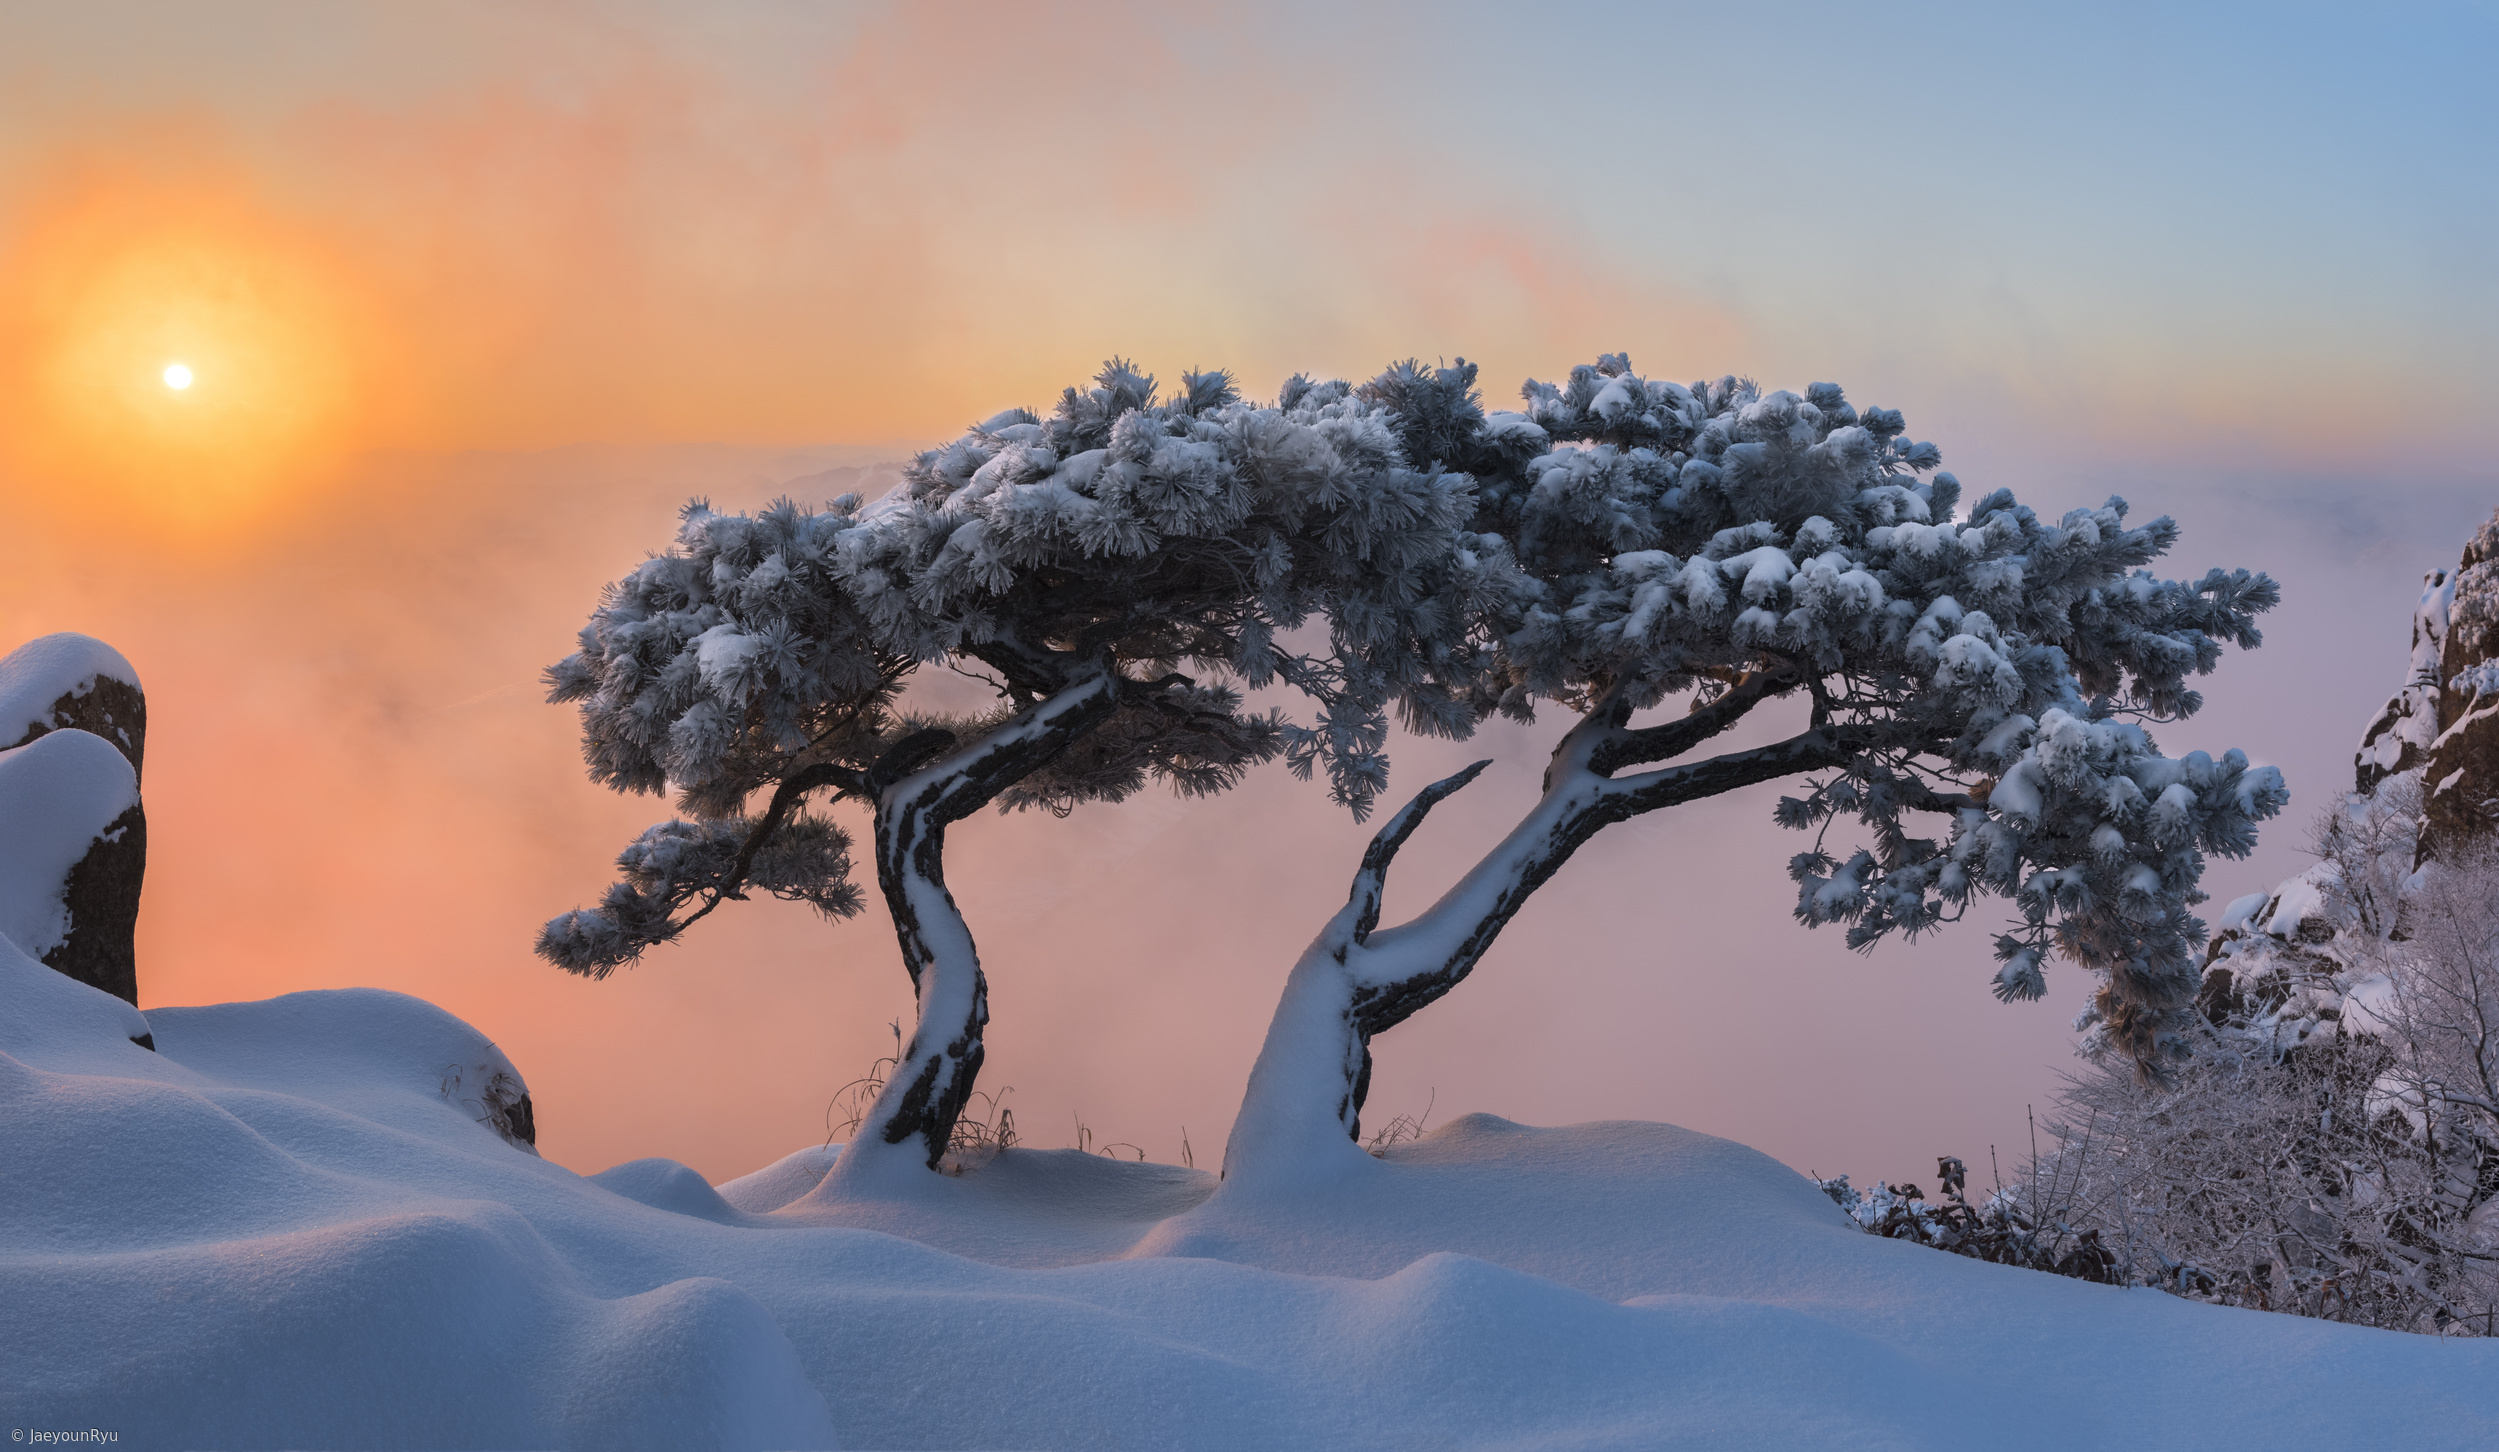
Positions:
(77, 685)
(2284, 961)
(2460, 781)
(102, 896)
(2401, 736)
(2444, 722)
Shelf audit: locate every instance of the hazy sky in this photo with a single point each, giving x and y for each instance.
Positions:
(476, 294)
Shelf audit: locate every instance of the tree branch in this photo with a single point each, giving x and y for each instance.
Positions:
(973, 776)
(907, 756)
(1919, 797)
(1372, 877)
(1670, 739)
(785, 799)
(1813, 750)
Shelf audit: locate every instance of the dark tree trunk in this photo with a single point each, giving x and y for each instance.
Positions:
(911, 1126)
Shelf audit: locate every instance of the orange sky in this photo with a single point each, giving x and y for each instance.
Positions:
(475, 295)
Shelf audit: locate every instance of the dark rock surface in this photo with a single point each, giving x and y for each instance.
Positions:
(70, 682)
(89, 687)
(114, 710)
(2460, 780)
(103, 899)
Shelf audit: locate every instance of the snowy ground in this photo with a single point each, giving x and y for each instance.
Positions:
(287, 1228)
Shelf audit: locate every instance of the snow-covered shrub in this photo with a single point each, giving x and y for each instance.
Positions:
(2333, 1147)
(2295, 1186)
(2008, 1228)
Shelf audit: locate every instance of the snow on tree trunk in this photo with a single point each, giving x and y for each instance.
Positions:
(1302, 1113)
(912, 1122)
(1300, 1117)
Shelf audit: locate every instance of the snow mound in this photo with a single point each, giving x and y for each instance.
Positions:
(782, 1181)
(284, 1231)
(58, 792)
(664, 1184)
(1616, 1209)
(52, 1019)
(387, 1056)
(1026, 1208)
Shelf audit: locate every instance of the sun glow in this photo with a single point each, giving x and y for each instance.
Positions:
(119, 303)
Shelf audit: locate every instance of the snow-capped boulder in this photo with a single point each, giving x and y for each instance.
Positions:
(372, 1039)
(62, 681)
(81, 917)
(72, 856)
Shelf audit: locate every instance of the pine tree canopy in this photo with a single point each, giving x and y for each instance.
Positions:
(1172, 543)
(1615, 543)
(1989, 668)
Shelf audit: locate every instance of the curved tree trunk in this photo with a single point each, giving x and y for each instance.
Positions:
(1301, 1114)
(1303, 1108)
(912, 1122)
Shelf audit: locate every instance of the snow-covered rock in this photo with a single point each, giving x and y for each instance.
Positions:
(2281, 963)
(66, 680)
(364, 1049)
(2444, 721)
(73, 851)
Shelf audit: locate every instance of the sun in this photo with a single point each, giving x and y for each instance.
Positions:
(179, 356)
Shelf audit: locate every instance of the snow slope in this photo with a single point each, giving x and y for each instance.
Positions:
(288, 1229)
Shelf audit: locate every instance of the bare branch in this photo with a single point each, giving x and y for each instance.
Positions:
(1670, 739)
(1371, 879)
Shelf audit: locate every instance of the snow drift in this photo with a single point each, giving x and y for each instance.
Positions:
(289, 1228)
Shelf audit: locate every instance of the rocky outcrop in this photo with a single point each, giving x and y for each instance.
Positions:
(2460, 779)
(72, 812)
(2444, 722)
(2401, 736)
(2424, 782)
(2280, 966)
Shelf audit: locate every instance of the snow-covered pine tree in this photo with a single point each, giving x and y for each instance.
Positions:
(1116, 573)
(1987, 670)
